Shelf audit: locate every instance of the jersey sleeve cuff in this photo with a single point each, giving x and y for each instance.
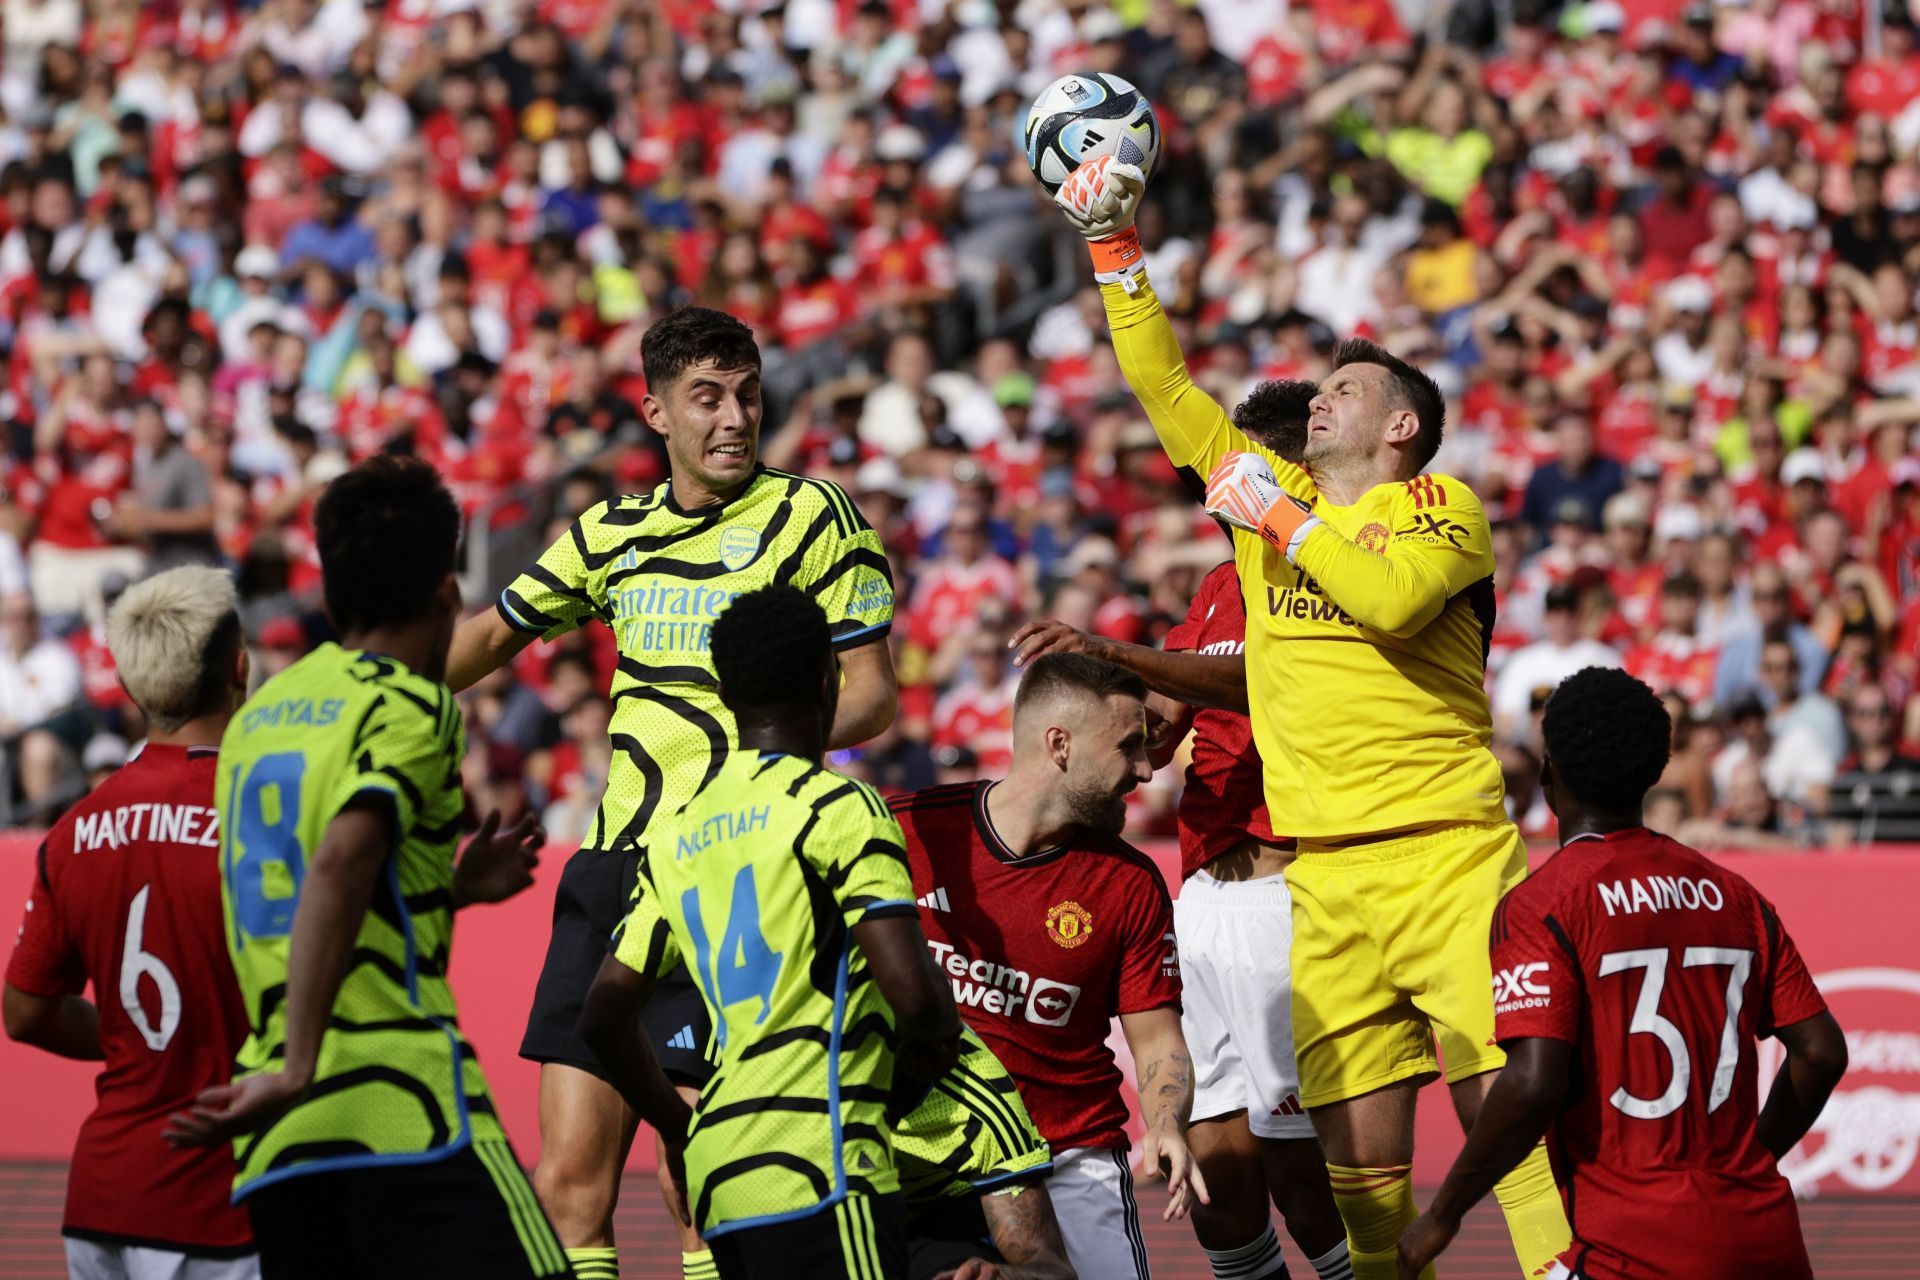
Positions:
(889, 908)
(514, 620)
(40, 984)
(863, 636)
(1507, 1035)
(1001, 1182)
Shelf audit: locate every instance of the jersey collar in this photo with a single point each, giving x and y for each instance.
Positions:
(998, 847)
(709, 513)
(1603, 837)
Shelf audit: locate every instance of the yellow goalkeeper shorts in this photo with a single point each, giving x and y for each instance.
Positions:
(1390, 955)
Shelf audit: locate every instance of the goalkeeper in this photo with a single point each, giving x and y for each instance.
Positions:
(1369, 593)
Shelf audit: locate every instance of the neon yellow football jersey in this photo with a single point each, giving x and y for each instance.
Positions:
(659, 576)
(756, 885)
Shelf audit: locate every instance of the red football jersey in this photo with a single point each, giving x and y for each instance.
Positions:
(128, 898)
(1043, 952)
(1224, 801)
(1661, 968)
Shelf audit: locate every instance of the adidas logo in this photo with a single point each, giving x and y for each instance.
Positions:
(865, 1162)
(1291, 1107)
(683, 1039)
(935, 901)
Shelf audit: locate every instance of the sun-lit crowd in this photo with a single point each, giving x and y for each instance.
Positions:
(1662, 259)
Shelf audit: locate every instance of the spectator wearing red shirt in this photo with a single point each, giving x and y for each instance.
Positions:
(1673, 218)
(951, 591)
(1673, 659)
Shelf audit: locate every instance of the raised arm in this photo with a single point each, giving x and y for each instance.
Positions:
(1197, 679)
(1100, 199)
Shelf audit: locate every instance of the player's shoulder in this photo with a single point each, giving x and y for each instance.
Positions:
(804, 791)
(816, 500)
(1553, 883)
(948, 796)
(1222, 581)
(1433, 490)
(620, 517)
(1116, 867)
(404, 686)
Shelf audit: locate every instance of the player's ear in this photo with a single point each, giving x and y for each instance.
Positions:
(1059, 746)
(242, 672)
(1403, 426)
(653, 411)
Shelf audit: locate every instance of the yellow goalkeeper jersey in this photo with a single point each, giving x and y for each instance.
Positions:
(1366, 662)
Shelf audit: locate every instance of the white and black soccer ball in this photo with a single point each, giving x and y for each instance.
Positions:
(1079, 117)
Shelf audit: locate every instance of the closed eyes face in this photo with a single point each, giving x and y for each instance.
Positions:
(1347, 416)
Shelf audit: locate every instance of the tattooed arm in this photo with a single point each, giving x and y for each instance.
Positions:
(1021, 1223)
(1166, 1099)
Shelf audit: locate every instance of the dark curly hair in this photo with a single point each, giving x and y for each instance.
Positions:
(770, 647)
(1274, 416)
(1608, 738)
(679, 340)
(387, 532)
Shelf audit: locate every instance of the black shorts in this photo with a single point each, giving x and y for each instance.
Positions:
(595, 889)
(472, 1214)
(861, 1238)
(945, 1233)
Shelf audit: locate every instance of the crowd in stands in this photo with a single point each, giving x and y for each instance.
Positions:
(1661, 257)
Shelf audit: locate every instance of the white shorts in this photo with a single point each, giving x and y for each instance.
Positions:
(1236, 1001)
(1092, 1193)
(90, 1260)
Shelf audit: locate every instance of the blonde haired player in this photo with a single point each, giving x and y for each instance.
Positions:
(1369, 593)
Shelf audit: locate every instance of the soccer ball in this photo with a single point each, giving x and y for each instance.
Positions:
(1079, 117)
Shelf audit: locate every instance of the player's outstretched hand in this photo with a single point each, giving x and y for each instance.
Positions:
(497, 864)
(1101, 197)
(1164, 1154)
(1422, 1242)
(1038, 639)
(224, 1110)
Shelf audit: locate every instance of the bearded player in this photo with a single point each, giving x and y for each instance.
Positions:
(1050, 926)
(1250, 1136)
(1369, 593)
(1634, 977)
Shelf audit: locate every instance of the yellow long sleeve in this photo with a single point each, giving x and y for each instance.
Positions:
(1194, 430)
(1397, 593)
(1439, 546)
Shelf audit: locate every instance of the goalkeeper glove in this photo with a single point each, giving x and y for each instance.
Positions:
(1243, 492)
(1100, 199)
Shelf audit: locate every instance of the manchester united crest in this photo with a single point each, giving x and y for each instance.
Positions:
(1373, 537)
(1069, 923)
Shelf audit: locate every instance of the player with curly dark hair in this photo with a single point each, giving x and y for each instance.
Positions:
(1632, 976)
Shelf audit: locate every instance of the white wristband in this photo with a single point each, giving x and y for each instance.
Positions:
(1299, 538)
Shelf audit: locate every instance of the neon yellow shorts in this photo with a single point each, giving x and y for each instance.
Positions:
(1390, 955)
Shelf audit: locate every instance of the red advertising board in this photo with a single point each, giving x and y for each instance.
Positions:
(1851, 912)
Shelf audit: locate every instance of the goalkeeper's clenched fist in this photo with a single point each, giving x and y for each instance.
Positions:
(1100, 199)
(1243, 492)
